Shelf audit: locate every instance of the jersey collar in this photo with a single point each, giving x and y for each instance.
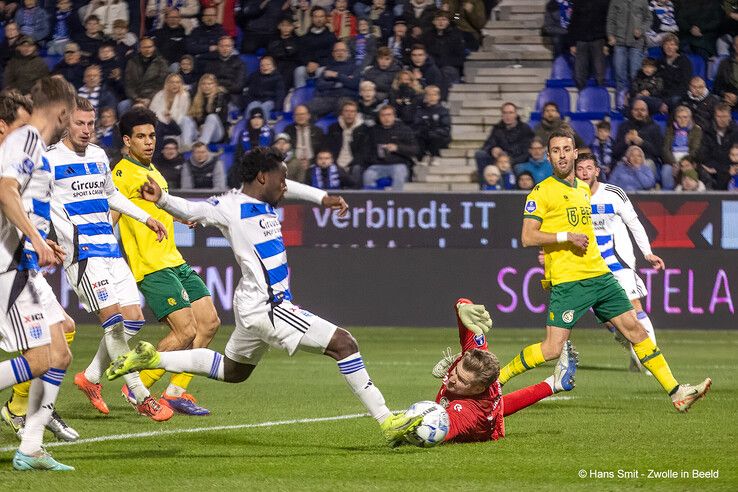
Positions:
(133, 160)
(565, 182)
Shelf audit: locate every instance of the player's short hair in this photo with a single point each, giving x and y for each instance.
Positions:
(10, 102)
(484, 365)
(260, 159)
(563, 132)
(603, 125)
(50, 91)
(135, 117)
(83, 104)
(586, 156)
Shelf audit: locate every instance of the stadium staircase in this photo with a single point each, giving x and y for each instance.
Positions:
(512, 65)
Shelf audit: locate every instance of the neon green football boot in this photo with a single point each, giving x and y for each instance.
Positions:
(395, 427)
(144, 356)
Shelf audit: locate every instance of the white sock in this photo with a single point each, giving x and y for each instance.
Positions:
(132, 327)
(33, 434)
(352, 368)
(648, 326)
(200, 361)
(14, 371)
(101, 361)
(550, 382)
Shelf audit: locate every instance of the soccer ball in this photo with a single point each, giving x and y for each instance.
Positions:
(432, 429)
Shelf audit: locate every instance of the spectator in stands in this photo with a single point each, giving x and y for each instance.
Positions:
(108, 134)
(634, 172)
(524, 181)
(65, 23)
(170, 163)
(701, 101)
(107, 12)
(509, 135)
(469, 16)
(588, 36)
(91, 39)
(369, 103)
(95, 91)
(203, 170)
(204, 38)
(284, 49)
(390, 150)
(399, 43)
(699, 24)
(432, 125)
(25, 68)
(171, 105)
(664, 21)
(258, 20)
(639, 130)
(602, 146)
(283, 144)
(71, 66)
(125, 41)
(556, 25)
(306, 139)
(302, 17)
(156, 11)
(265, 88)
(224, 14)
(339, 79)
(717, 140)
(425, 71)
(112, 69)
(145, 74)
(32, 20)
(383, 72)
(363, 46)
(682, 138)
(344, 138)
(207, 120)
(229, 69)
(537, 164)
(491, 179)
(326, 174)
(315, 48)
(382, 19)
(690, 181)
(726, 81)
(687, 163)
(507, 179)
(445, 45)
(187, 72)
(9, 44)
(648, 85)
(406, 96)
(675, 70)
(342, 22)
(170, 38)
(627, 23)
(420, 13)
(733, 169)
(256, 133)
(551, 121)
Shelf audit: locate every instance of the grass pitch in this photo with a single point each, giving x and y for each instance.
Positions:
(612, 429)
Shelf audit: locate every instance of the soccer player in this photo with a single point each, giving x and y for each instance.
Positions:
(558, 218)
(612, 217)
(27, 324)
(15, 111)
(84, 194)
(262, 302)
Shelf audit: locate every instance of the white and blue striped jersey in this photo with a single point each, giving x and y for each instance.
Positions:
(254, 232)
(612, 216)
(22, 158)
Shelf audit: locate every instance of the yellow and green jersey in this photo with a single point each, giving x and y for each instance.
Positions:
(145, 253)
(563, 207)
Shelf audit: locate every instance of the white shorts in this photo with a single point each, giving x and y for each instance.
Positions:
(631, 283)
(103, 282)
(286, 327)
(22, 322)
(53, 311)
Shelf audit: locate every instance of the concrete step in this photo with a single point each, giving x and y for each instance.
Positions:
(520, 55)
(493, 24)
(448, 178)
(468, 120)
(466, 144)
(426, 187)
(423, 172)
(532, 17)
(464, 187)
(451, 153)
(450, 164)
(494, 82)
(472, 86)
(489, 44)
(467, 132)
(513, 71)
(521, 37)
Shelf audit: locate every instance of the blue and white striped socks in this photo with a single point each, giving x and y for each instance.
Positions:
(132, 327)
(14, 371)
(201, 361)
(357, 377)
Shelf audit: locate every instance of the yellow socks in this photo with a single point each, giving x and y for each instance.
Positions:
(18, 403)
(70, 336)
(530, 357)
(151, 376)
(178, 384)
(650, 356)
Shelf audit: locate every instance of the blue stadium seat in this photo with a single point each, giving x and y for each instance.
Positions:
(52, 60)
(561, 68)
(281, 124)
(593, 100)
(557, 95)
(712, 68)
(698, 65)
(227, 156)
(660, 119)
(251, 62)
(534, 118)
(301, 96)
(237, 130)
(584, 128)
(655, 52)
(325, 122)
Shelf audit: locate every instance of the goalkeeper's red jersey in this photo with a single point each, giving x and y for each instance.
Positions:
(475, 418)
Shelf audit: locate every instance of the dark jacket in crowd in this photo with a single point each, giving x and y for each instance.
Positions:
(382, 78)
(170, 42)
(445, 47)
(705, 14)
(406, 102)
(650, 132)
(399, 134)
(702, 109)
(220, 108)
(588, 20)
(262, 87)
(675, 76)
(202, 38)
(345, 84)
(334, 140)
(423, 21)
(514, 141)
(724, 81)
(317, 137)
(654, 84)
(330, 178)
(74, 74)
(433, 123)
(144, 78)
(431, 73)
(115, 86)
(22, 72)
(87, 45)
(316, 47)
(715, 149)
(230, 72)
(286, 54)
(258, 17)
(171, 169)
(370, 111)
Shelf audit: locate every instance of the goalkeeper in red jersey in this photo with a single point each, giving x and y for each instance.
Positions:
(471, 393)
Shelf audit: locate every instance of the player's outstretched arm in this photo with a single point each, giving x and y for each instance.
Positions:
(300, 191)
(12, 208)
(122, 205)
(201, 212)
(533, 236)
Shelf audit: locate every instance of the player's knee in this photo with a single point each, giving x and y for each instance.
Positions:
(210, 324)
(61, 357)
(342, 345)
(39, 360)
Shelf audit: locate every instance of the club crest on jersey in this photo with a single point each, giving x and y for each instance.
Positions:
(185, 295)
(25, 167)
(102, 294)
(172, 301)
(35, 331)
(444, 402)
(568, 316)
(600, 208)
(479, 339)
(530, 206)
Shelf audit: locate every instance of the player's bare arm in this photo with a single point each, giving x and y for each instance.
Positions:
(336, 203)
(533, 236)
(656, 262)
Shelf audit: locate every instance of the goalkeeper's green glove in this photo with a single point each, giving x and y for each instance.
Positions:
(474, 317)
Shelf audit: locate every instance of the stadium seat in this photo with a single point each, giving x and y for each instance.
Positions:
(301, 96)
(237, 130)
(561, 68)
(593, 100)
(712, 68)
(227, 156)
(325, 122)
(660, 119)
(281, 124)
(251, 62)
(556, 95)
(52, 60)
(655, 52)
(534, 119)
(584, 128)
(698, 65)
